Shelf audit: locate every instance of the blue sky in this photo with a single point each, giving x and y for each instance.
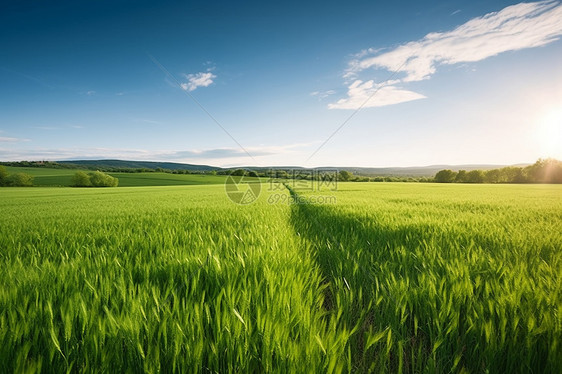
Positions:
(412, 82)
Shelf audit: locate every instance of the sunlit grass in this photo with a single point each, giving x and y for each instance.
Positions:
(153, 279)
(443, 278)
(393, 278)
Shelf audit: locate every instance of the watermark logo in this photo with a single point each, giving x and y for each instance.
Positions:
(242, 189)
(303, 180)
(293, 199)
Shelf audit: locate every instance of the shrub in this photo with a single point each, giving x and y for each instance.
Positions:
(99, 179)
(81, 179)
(19, 180)
(94, 179)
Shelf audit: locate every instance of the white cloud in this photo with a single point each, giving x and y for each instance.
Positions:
(194, 81)
(516, 27)
(369, 95)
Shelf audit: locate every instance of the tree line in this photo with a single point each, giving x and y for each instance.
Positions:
(543, 171)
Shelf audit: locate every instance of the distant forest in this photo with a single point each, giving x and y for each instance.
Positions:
(542, 171)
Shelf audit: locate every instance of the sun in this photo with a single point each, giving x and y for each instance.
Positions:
(549, 133)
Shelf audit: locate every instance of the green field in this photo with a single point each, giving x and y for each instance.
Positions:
(47, 177)
(386, 277)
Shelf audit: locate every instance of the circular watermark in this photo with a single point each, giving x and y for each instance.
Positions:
(242, 189)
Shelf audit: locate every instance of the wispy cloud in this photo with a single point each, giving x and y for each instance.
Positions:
(29, 77)
(148, 121)
(229, 153)
(56, 128)
(516, 27)
(53, 154)
(5, 139)
(323, 94)
(377, 95)
(46, 128)
(194, 81)
(213, 155)
(216, 153)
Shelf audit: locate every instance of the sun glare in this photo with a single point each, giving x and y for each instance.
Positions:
(550, 133)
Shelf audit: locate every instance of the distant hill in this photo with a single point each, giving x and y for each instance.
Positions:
(139, 165)
(413, 171)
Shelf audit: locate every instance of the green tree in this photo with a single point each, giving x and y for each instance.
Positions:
(492, 176)
(519, 176)
(3, 176)
(460, 177)
(509, 174)
(445, 176)
(344, 175)
(81, 179)
(20, 180)
(475, 176)
(238, 173)
(100, 179)
(545, 171)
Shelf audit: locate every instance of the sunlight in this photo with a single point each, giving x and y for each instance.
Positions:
(549, 133)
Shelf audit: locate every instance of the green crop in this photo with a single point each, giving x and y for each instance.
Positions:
(394, 278)
(48, 177)
(437, 278)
